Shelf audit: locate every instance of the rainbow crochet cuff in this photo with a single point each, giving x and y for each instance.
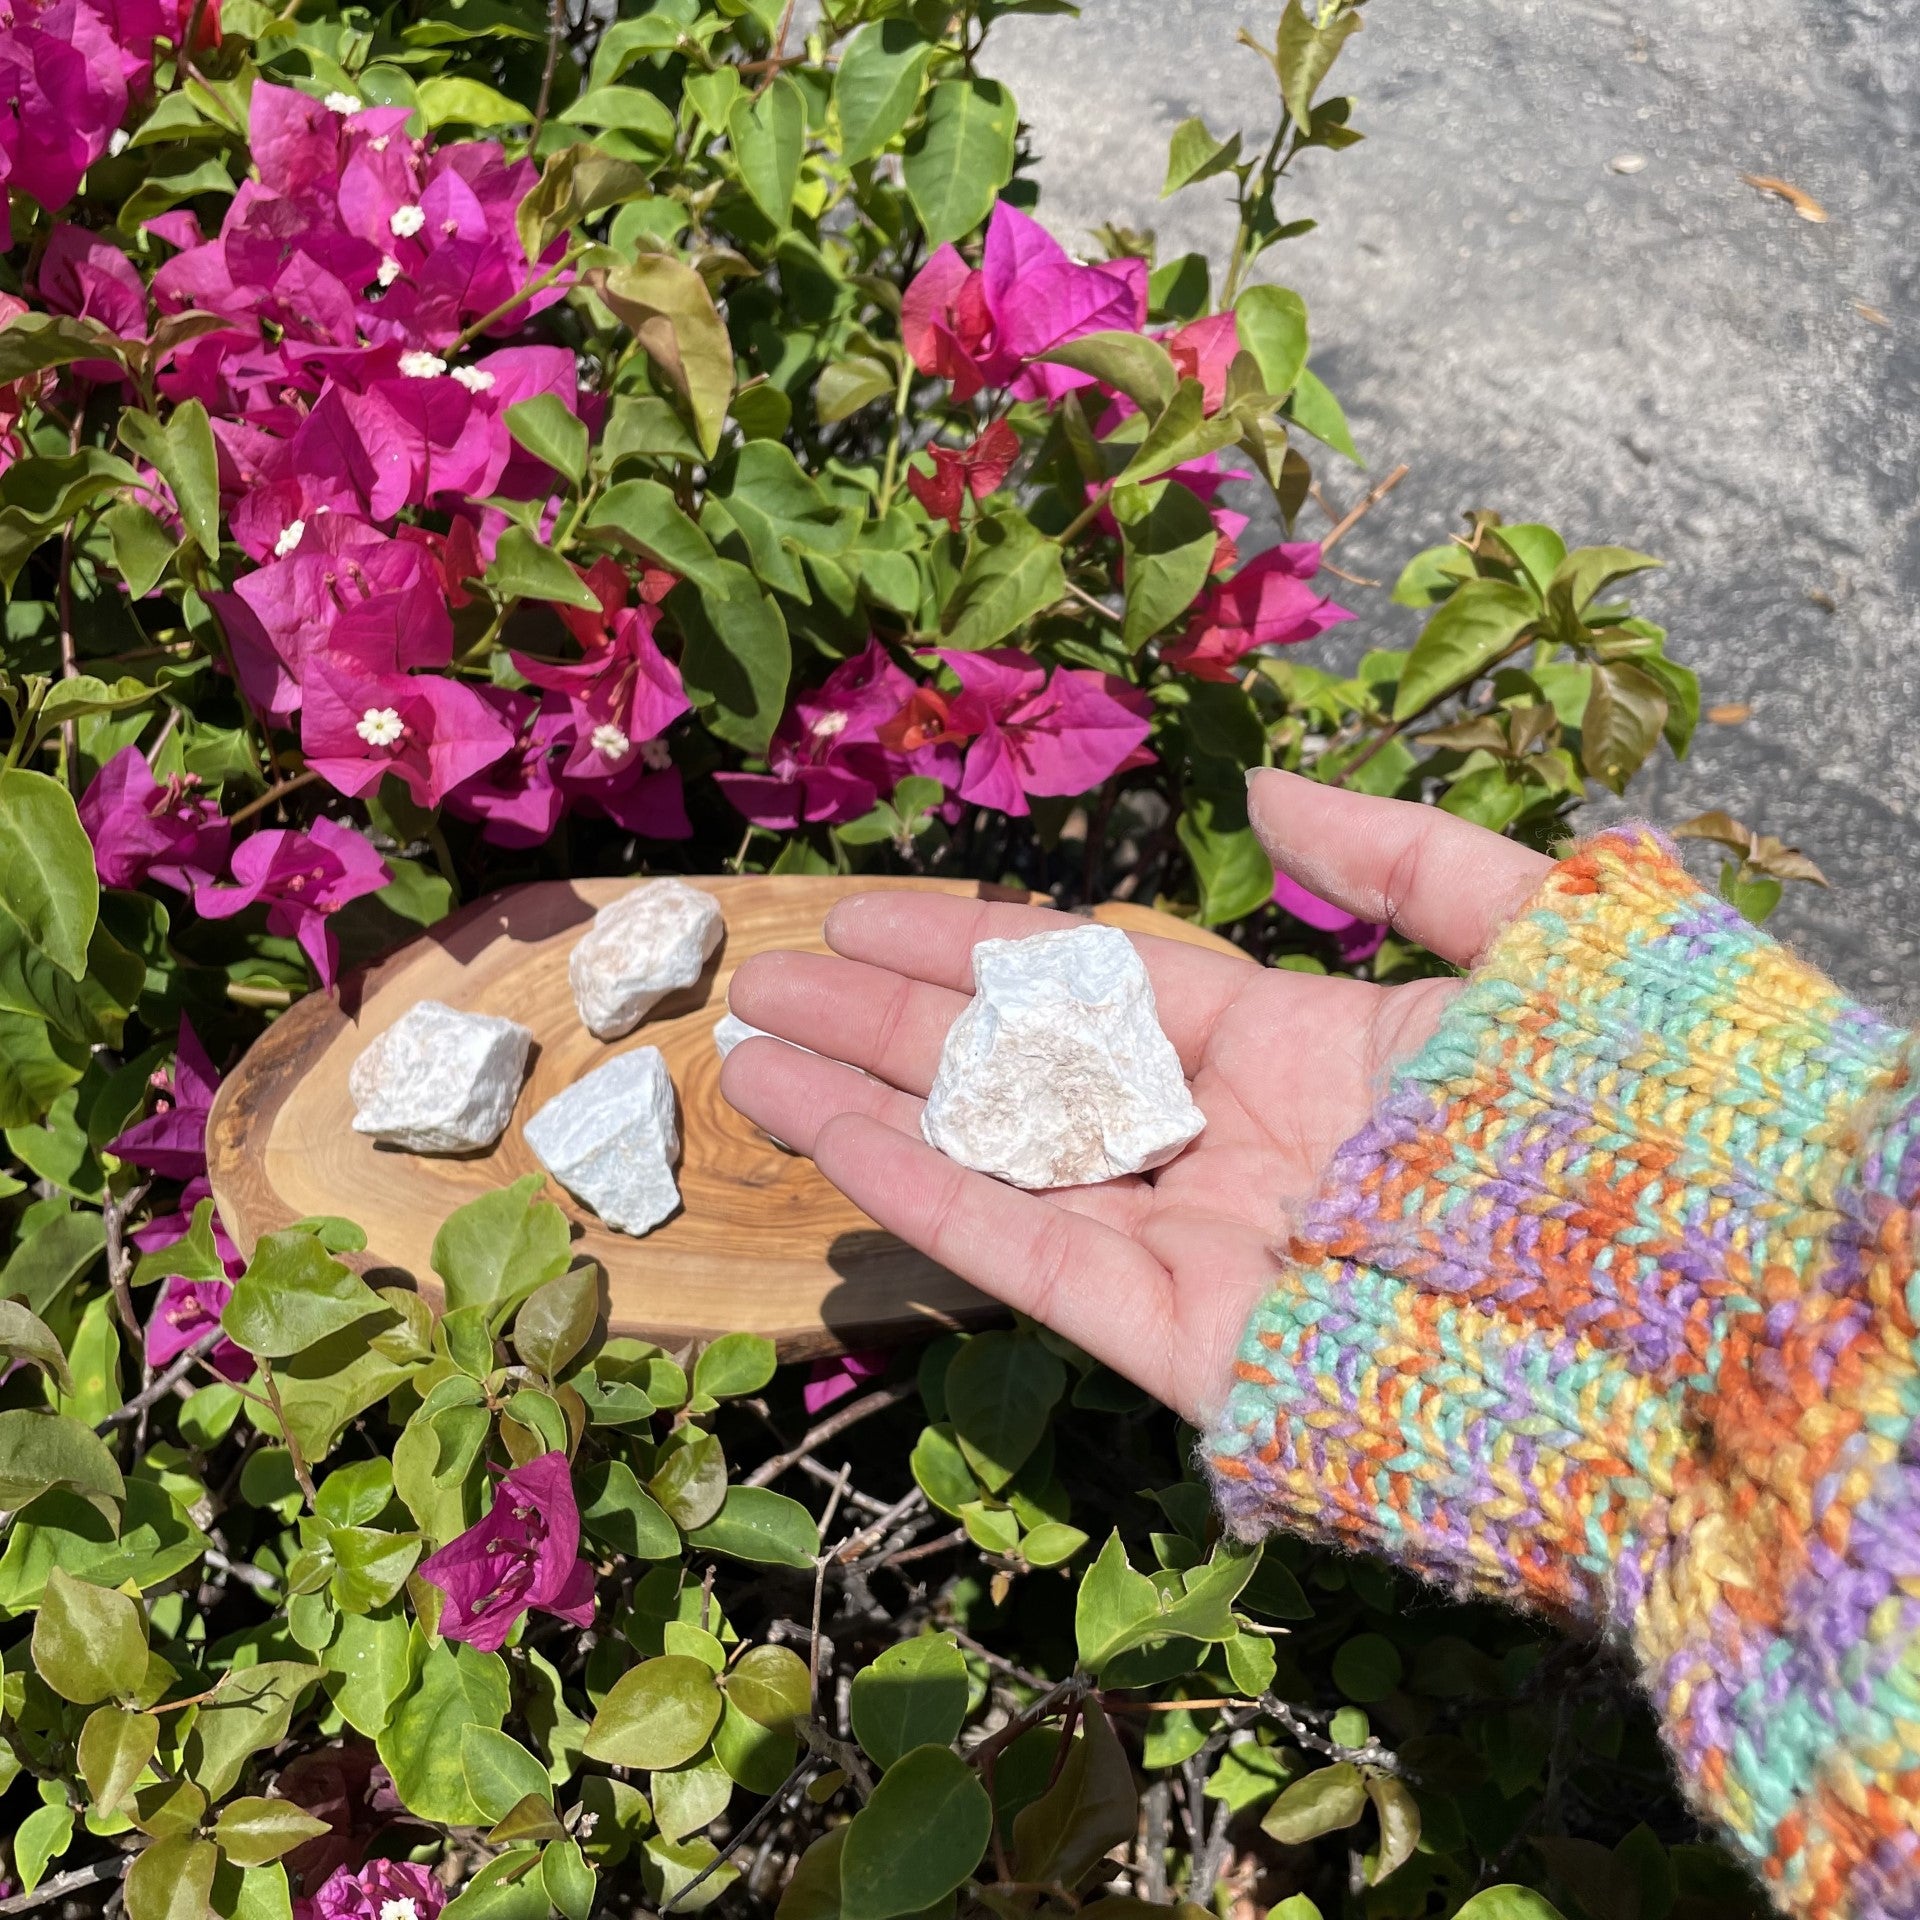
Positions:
(1611, 1309)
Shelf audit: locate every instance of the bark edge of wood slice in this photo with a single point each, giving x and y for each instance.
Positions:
(762, 1243)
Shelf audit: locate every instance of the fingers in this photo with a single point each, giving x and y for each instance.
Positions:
(866, 1016)
(931, 937)
(1078, 1276)
(1439, 880)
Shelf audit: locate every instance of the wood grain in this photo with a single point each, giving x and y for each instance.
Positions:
(762, 1243)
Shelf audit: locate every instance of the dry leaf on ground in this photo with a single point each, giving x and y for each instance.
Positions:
(1802, 202)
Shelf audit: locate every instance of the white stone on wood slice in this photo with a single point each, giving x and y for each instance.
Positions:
(729, 1030)
(645, 945)
(611, 1139)
(1058, 1073)
(439, 1080)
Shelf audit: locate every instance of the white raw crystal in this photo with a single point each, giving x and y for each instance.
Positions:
(611, 1140)
(645, 945)
(1058, 1073)
(729, 1030)
(438, 1080)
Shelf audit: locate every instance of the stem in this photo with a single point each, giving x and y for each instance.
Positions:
(272, 794)
(300, 1472)
(63, 1884)
(537, 285)
(1358, 512)
(556, 22)
(851, 1415)
(69, 665)
(890, 472)
(1084, 518)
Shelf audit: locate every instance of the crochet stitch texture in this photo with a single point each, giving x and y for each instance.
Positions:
(1610, 1309)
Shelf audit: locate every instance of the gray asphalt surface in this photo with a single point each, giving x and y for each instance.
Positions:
(1660, 358)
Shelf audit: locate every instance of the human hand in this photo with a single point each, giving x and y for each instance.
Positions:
(1155, 1275)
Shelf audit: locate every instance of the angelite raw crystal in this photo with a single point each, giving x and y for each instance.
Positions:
(729, 1030)
(645, 945)
(1058, 1073)
(438, 1080)
(611, 1140)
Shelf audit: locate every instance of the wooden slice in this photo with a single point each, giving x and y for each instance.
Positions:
(762, 1243)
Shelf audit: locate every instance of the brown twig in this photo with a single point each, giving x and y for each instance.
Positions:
(926, 1549)
(556, 22)
(300, 1472)
(162, 1384)
(830, 1428)
(1000, 1663)
(1071, 1690)
(277, 792)
(1359, 511)
(63, 1884)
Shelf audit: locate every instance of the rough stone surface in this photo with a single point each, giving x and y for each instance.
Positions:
(1058, 1073)
(438, 1080)
(729, 1030)
(645, 945)
(611, 1139)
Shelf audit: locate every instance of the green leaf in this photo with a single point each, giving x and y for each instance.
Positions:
(1431, 575)
(1000, 1389)
(424, 1743)
(1314, 408)
(1194, 154)
(25, 1336)
(1114, 1605)
(1323, 1802)
(1625, 713)
(846, 386)
(39, 1451)
(617, 1511)
(370, 1566)
(668, 1870)
(1051, 1544)
(1367, 1668)
(508, 1887)
(755, 1523)
(1539, 550)
(33, 341)
(89, 1643)
(114, 1748)
(500, 1772)
(769, 134)
(1234, 874)
(172, 1879)
(368, 1666)
(673, 318)
(1133, 363)
(551, 431)
(685, 1799)
(633, 110)
(690, 1481)
(569, 1881)
(496, 1250)
(1584, 574)
(812, 1891)
(1509, 1903)
(914, 1695)
(770, 1686)
(1399, 1816)
(293, 1295)
(1012, 573)
(962, 156)
(446, 99)
(660, 1714)
(523, 569)
(1465, 636)
(557, 1320)
(252, 1712)
(1304, 54)
(184, 452)
(644, 516)
(254, 1830)
(917, 1839)
(44, 1835)
(941, 1472)
(736, 659)
(735, 1364)
(47, 879)
(1169, 541)
(35, 1069)
(1272, 326)
(1091, 1807)
(755, 1757)
(877, 85)
(143, 545)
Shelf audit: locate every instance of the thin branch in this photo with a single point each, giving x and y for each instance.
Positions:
(556, 23)
(162, 1384)
(925, 1549)
(277, 792)
(1000, 1663)
(65, 1883)
(1070, 1691)
(1358, 512)
(740, 1839)
(834, 1425)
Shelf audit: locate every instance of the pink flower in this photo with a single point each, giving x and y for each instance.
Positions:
(1203, 350)
(983, 328)
(359, 723)
(831, 1380)
(172, 1140)
(82, 273)
(525, 1553)
(977, 470)
(827, 761)
(1036, 733)
(141, 829)
(517, 798)
(185, 1312)
(1356, 939)
(1267, 603)
(381, 1890)
(302, 878)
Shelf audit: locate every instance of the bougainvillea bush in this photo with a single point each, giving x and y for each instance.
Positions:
(468, 443)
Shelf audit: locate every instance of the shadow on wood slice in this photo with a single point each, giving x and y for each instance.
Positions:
(762, 1243)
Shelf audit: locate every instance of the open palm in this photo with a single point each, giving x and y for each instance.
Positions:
(1156, 1274)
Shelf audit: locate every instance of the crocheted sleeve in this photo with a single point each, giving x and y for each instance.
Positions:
(1610, 1309)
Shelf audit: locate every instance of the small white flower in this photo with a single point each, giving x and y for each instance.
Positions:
(657, 755)
(610, 742)
(289, 539)
(400, 1909)
(389, 271)
(421, 365)
(337, 102)
(829, 725)
(407, 221)
(379, 145)
(120, 141)
(474, 379)
(380, 727)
